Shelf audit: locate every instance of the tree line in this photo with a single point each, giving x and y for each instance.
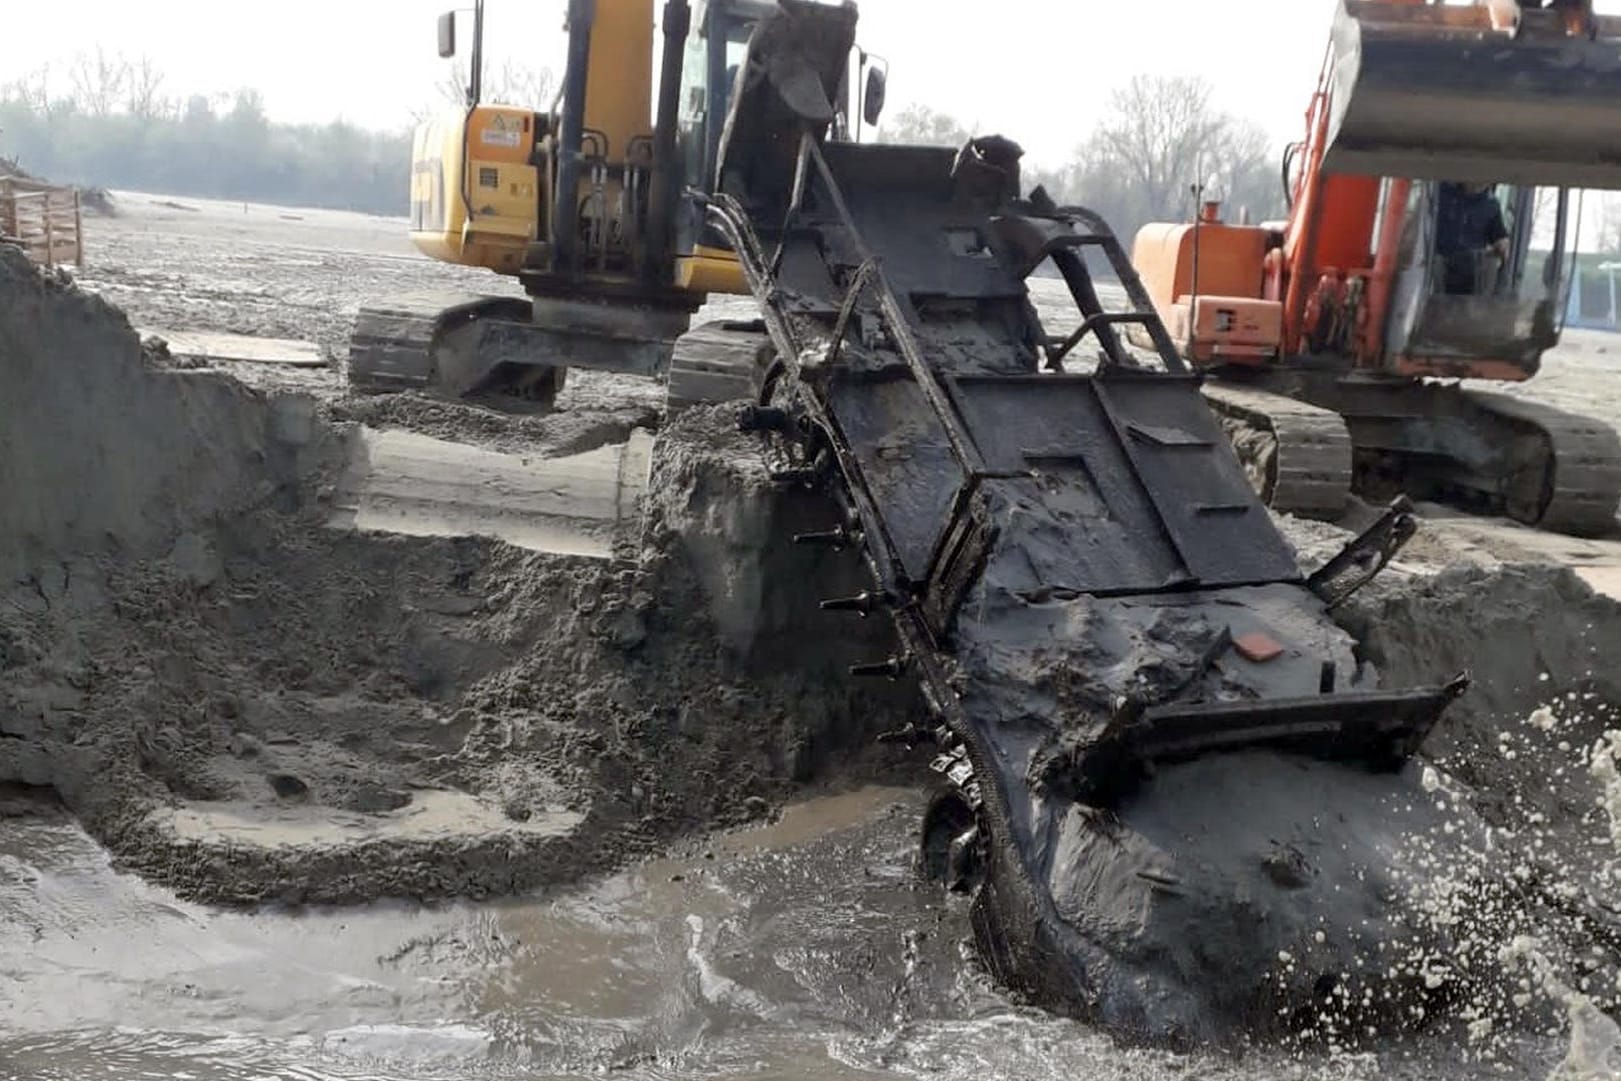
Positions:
(1160, 136)
(106, 120)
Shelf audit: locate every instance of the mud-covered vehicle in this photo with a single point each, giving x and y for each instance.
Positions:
(1160, 752)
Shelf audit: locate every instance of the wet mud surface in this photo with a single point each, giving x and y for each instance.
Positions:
(247, 705)
(797, 950)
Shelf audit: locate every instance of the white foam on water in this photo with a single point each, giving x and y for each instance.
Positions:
(1500, 911)
(409, 1043)
(713, 985)
(1594, 1053)
(1606, 769)
(1595, 1040)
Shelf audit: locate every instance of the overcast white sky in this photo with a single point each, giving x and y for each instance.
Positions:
(1035, 70)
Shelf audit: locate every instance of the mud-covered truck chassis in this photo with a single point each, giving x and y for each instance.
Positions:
(1080, 577)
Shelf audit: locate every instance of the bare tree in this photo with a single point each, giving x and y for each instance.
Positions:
(520, 84)
(98, 81)
(31, 90)
(510, 84)
(1161, 136)
(1607, 221)
(919, 125)
(143, 97)
(1161, 132)
(1243, 169)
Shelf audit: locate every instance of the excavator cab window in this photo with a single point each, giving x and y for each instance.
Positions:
(715, 50)
(1483, 272)
(1469, 238)
(1487, 238)
(735, 48)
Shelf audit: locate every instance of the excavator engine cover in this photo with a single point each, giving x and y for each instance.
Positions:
(1436, 92)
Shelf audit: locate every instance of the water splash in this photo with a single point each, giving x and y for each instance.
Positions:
(1595, 1040)
(1510, 935)
(1606, 770)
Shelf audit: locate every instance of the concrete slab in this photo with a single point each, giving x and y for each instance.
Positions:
(241, 348)
(402, 482)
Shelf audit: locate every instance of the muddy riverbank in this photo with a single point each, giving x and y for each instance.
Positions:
(249, 707)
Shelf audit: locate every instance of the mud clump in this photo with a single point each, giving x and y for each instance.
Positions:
(97, 457)
(552, 434)
(249, 706)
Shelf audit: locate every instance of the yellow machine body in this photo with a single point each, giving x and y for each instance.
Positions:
(475, 197)
(482, 183)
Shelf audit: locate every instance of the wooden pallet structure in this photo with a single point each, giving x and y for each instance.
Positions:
(46, 222)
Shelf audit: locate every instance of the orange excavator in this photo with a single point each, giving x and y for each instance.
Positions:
(1430, 241)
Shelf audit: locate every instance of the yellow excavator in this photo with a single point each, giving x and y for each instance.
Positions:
(594, 206)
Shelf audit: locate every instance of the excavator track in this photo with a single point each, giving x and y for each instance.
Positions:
(1297, 456)
(1490, 452)
(1565, 470)
(716, 362)
(392, 347)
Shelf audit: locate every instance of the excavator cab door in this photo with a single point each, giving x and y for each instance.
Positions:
(1468, 311)
(714, 75)
(716, 46)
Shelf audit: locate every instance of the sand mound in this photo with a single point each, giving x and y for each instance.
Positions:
(98, 456)
(246, 704)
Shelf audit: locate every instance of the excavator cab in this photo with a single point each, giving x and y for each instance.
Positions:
(1443, 99)
(1487, 304)
(716, 48)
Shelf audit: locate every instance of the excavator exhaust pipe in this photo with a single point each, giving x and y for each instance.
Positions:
(1436, 92)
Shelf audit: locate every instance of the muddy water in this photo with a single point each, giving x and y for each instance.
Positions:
(800, 950)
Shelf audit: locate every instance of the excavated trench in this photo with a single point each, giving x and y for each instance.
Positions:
(244, 704)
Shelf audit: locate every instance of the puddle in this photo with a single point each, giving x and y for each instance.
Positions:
(435, 815)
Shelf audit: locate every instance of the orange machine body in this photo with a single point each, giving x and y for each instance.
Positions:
(1224, 316)
(1320, 285)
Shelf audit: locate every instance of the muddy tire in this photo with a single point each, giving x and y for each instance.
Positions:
(950, 844)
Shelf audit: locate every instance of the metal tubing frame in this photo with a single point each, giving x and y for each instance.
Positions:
(565, 216)
(962, 443)
(657, 249)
